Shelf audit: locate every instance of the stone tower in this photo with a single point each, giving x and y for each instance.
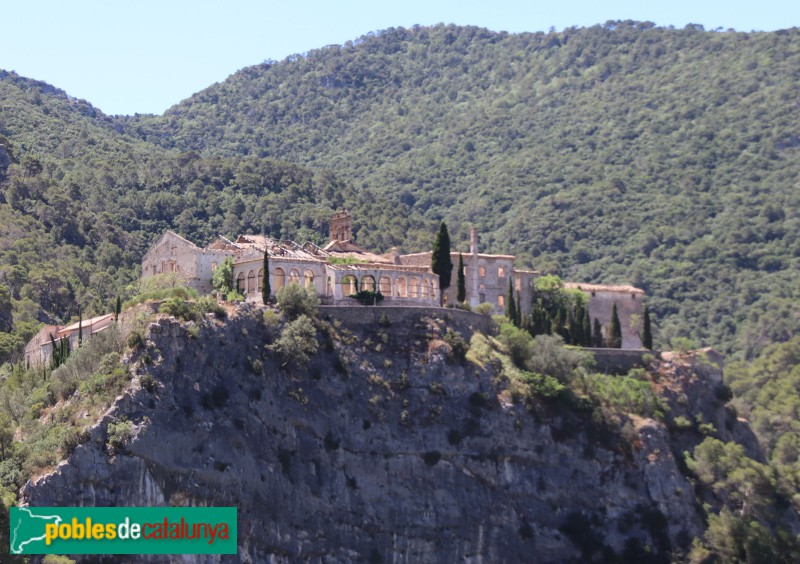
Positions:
(341, 226)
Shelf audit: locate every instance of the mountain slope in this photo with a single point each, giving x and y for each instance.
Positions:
(620, 152)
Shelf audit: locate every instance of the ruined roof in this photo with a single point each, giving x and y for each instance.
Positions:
(424, 259)
(626, 289)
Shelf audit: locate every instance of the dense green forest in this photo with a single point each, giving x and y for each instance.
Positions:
(618, 153)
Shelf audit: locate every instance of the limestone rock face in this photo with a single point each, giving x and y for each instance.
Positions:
(383, 448)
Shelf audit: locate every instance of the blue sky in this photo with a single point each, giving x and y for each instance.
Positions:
(145, 56)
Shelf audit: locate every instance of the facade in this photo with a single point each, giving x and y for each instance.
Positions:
(342, 268)
(39, 349)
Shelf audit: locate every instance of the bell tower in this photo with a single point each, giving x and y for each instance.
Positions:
(341, 226)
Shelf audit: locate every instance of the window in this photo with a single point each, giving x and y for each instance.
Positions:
(385, 285)
(501, 301)
(240, 283)
(261, 279)
(413, 288)
(501, 272)
(251, 282)
(280, 280)
(368, 283)
(401, 288)
(482, 271)
(309, 278)
(213, 266)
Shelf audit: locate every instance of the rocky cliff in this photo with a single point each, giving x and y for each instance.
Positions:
(385, 447)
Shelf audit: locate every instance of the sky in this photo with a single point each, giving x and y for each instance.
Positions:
(144, 56)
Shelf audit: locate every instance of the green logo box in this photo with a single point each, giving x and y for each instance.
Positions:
(122, 530)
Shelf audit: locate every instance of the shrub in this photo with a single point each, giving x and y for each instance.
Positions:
(135, 340)
(457, 344)
(296, 301)
(118, 435)
(484, 308)
(148, 383)
(180, 292)
(207, 305)
(234, 297)
(681, 422)
(368, 297)
(180, 309)
(297, 342)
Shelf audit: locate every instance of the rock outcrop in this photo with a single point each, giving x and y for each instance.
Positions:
(384, 448)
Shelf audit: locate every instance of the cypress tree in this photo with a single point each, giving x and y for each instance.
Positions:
(440, 260)
(597, 334)
(80, 327)
(117, 309)
(265, 289)
(615, 332)
(520, 320)
(511, 305)
(587, 329)
(461, 281)
(647, 334)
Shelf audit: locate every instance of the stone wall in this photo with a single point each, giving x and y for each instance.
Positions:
(618, 361)
(465, 322)
(628, 306)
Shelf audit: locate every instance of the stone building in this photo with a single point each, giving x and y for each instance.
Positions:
(629, 308)
(341, 268)
(39, 349)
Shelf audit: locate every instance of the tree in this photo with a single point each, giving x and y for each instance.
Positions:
(222, 279)
(80, 326)
(511, 304)
(615, 330)
(440, 260)
(461, 281)
(597, 334)
(297, 342)
(647, 335)
(117, 309)
(265, 289)
(295, 300)
(6, 317)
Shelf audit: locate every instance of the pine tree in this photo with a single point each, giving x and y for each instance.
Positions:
(441, 263)
(461, 281)
(647, 334)
(265, 289)
(597, 334)
(615, 331)
(511, 305)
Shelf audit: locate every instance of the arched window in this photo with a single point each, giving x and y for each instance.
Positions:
(279, 279)
(368, 283)
(251, 282)
(240, 283)
(294, 276)
(329, 287)
(401, 288)
(385, 285)
(482, 271)
(413, 288)
(501, 301)
(309, 279)
(260, 279)
(426, 288)
(349, 285)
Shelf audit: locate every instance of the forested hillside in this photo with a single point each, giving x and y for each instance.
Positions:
(624, 152)
(81, 202)
(618, 153)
